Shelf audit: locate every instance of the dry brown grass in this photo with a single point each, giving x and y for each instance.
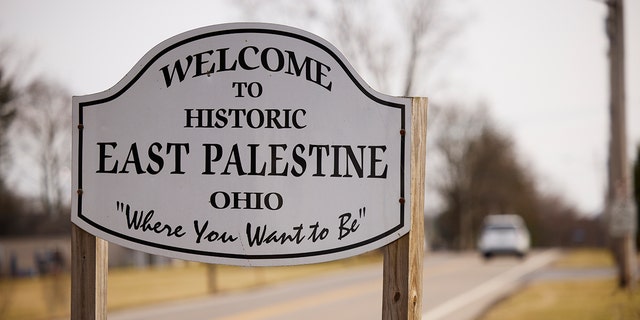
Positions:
(586, 258)
(569, 299)
(48, 297)
(585, 299)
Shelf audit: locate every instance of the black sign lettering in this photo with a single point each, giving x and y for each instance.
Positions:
(249, 58)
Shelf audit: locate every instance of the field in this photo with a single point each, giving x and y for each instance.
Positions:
(48, 297)
(585, 299)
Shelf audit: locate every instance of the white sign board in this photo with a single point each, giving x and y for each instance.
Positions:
(244, 144)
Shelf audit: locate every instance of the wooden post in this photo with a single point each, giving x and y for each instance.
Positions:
(619, 189)
(212, 278)
(89, 266)
(403, 258)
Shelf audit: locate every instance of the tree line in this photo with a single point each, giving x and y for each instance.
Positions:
(478, 172)
(35, 137)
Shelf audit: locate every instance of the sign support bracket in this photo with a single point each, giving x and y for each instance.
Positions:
(403, 258)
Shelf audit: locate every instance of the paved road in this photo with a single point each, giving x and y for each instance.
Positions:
(456, 286)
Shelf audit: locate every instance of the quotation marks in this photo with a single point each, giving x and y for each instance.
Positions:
(349, 224)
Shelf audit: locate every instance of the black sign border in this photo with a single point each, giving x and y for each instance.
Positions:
(265, 30)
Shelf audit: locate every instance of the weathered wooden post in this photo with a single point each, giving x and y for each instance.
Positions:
(89, 263)
(403, 258)
(620, 209)
(248, 144)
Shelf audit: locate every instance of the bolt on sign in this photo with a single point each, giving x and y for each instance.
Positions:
(243, 144)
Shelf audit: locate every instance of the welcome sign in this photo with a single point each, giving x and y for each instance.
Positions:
(243, 144)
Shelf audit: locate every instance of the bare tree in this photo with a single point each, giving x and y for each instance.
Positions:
(428, 35)
(367, 50)
(457, 130)
(480, 175)
(391, 44)
(397, 45)
(43, 124)
(8, 93)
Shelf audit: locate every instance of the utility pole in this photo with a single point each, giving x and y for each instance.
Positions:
(620, 210)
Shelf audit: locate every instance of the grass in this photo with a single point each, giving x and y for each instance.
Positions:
(48, 297)
(586, 258)
(34, 298)
(585, 299)
(575, 299)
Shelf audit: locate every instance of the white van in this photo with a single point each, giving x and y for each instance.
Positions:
(504, 234)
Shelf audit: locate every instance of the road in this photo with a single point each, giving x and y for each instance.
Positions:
(456, 286)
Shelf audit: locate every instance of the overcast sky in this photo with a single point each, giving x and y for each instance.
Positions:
(539, 65)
